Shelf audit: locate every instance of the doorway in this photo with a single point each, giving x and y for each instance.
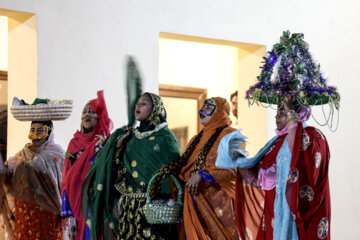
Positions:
(220, 67)
(182, 105)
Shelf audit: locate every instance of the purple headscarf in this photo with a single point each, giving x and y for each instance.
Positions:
(303, 113)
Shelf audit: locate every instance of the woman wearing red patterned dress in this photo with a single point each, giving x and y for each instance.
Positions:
(292, 168)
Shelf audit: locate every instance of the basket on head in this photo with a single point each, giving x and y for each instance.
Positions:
(52, 111)
(163, 211)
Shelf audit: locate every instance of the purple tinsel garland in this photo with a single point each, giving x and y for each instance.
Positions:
(296, 74)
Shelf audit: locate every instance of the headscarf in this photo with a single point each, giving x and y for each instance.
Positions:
(36, 176)
(219, 119)
(157, 116)
(74, 175)
(303, 113)
(221, 116)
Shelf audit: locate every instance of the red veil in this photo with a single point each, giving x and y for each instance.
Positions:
(74, 175)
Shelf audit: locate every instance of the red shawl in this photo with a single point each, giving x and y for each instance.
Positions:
(74, 175)
(307, 189)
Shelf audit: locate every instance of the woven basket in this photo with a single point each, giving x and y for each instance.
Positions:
(41, 112)
(161, 213)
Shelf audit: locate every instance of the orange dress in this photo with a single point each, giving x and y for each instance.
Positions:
(32, 222)
(210, 213)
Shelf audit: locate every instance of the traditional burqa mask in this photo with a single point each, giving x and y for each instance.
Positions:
(38, 131)
(208, 108)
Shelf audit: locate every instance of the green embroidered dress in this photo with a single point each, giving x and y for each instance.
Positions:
(115, 186)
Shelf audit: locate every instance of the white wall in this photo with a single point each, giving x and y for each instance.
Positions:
(82, 44)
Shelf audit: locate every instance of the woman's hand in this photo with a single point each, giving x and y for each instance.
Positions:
(70, 223)
(288, 103)
(162, 169)
(166, 169)
(234, 145)
(120, 140)
(236, 155)
(102, 139)
(193, 183)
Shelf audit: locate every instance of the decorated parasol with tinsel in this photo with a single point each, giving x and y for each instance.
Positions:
(289, 70)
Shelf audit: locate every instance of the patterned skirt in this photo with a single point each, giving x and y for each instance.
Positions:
(132, 222)
(32, 222)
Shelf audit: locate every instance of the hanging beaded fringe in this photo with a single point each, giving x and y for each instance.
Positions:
(329, 118)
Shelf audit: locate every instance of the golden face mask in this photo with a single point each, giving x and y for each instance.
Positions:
(38, 132)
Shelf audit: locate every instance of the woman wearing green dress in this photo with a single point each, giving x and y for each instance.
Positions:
(113, 192)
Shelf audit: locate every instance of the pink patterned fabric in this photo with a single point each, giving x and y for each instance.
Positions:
(303, 113)
(267, 177)
(282, 131)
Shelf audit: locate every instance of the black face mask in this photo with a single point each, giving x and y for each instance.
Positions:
(208, 109)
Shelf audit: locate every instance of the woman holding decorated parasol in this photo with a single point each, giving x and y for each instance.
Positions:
(292, 168)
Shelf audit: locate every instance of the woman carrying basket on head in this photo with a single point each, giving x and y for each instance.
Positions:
(34, 176)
